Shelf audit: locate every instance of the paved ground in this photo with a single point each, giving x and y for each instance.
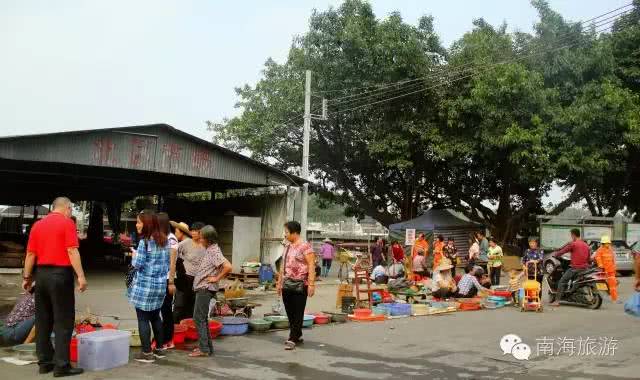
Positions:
(462, 345)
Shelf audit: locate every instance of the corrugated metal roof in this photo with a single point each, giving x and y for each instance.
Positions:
(151, 148)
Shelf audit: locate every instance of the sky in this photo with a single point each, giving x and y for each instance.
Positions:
(80, 64)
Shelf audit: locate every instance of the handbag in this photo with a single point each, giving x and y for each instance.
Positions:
(290, 285)
(130, 275)
(131, 271)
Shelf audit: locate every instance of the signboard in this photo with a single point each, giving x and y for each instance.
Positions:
(554, 237)
(410, 237)
(633, 233)
(596, 232)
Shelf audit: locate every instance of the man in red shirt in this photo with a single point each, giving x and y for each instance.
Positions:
(53, 251)
(580, 256)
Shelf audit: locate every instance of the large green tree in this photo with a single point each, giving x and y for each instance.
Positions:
(498, 123)
(377, 160)
(595, 123)
(485, 127)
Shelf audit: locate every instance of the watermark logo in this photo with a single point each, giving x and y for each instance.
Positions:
(512, 344)
(576, 346)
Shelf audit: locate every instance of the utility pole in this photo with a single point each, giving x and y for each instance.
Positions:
(305, 154)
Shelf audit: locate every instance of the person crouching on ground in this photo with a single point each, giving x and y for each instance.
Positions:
(296, 281)
(213, 268)
(605, 258)
(443, 285)
(149, 286)
(420, 266)
(20, 322)
(469, 285)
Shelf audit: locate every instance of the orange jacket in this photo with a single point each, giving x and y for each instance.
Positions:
(606, 258)
(420, 244)
(438, 247)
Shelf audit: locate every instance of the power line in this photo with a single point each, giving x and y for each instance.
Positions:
(381, 88)
(409, 84)
(464, 77)
(418, 86)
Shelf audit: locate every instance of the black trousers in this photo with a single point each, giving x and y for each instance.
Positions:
(167, 317)
(55, 312)
(294, 304)
(495, 275)
(185, 300)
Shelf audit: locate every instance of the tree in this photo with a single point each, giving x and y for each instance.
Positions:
(497, 129)
(377, 160)
(595, 122)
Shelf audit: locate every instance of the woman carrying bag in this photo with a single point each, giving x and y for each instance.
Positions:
(296, 281)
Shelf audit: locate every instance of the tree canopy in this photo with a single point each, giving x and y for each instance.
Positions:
(486, 126)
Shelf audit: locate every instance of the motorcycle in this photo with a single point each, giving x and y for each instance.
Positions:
(583, 289)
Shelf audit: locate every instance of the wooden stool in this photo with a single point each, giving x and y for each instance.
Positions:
(363, 275)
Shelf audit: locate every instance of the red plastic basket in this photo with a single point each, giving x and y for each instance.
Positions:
(179, 334)
(81, 329)
(214, 328)
(362, 313)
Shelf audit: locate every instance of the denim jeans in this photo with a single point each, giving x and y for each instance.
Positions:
(326, 267)
(564, 281)
(201, 318)
(18, 333)
(147, 321)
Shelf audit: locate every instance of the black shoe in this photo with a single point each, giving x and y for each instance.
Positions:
(45, 368)
(159, 354)
(68, 371)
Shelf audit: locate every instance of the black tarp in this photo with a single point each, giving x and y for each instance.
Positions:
(436, 222)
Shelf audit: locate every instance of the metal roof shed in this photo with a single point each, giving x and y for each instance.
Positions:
(120, 163)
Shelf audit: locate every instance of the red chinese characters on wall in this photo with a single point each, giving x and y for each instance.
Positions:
(139, 152)
(104, 151)
(171, 154)
(201, 159)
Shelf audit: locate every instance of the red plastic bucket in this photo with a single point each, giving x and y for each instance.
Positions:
(179, 334)
(73, 350)
(214, 328)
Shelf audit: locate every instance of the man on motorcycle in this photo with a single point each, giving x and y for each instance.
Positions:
(580, 255)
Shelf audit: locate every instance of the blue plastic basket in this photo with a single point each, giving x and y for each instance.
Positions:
(382, 309)
(234, 326)
(308, 320)
(397, 309)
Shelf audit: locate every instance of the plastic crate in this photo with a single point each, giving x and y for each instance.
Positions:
(104, 349)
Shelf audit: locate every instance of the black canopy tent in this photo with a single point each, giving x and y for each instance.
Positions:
(436, 222)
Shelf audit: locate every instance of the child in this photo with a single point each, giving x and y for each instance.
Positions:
(515, 283)
(449, 251)
(495, 261)
(533, 260)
